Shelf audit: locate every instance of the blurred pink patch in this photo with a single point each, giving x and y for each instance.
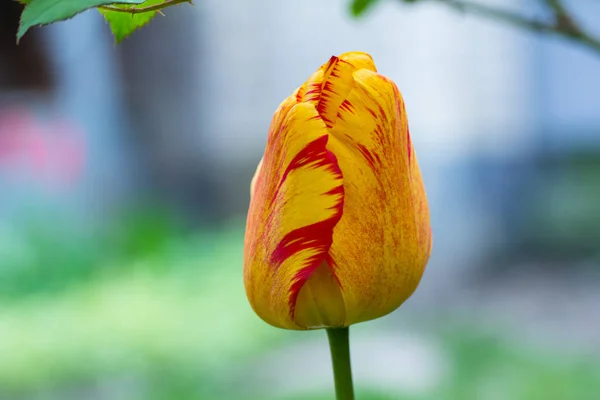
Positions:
(51, 152)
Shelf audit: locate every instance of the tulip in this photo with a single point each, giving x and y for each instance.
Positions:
(338, 226)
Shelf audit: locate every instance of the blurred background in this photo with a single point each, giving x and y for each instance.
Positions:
(124, 179)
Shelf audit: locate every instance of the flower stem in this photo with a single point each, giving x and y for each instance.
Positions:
(339, 345)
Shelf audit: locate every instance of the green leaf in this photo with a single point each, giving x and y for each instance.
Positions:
(123, 24)
(42, 12)
(358, 7)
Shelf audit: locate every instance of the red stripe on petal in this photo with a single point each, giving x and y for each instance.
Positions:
(334, 85)
(372, 158)
(304, 275)
(327, 70)
(347, 106)
(316, 154)
(313, 93)
(318, 236)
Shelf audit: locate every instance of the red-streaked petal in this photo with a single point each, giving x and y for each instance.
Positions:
(297, 200)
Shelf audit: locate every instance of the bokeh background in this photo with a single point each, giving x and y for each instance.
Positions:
(124, 179)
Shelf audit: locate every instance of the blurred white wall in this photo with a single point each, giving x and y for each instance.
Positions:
(89, 93)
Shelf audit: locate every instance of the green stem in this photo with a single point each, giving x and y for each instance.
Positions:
(339, 345)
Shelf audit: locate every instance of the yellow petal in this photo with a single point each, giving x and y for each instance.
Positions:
(297, 199)
(382, 243)
(359, 60)
(328, 87)
(320, 302)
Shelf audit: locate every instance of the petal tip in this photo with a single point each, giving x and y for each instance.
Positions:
(359, 59)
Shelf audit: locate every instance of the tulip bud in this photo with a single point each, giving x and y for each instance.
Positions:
(338, 226)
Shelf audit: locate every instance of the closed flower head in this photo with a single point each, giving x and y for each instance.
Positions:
(338, 227)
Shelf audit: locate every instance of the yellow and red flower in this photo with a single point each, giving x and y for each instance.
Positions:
(338, 227)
